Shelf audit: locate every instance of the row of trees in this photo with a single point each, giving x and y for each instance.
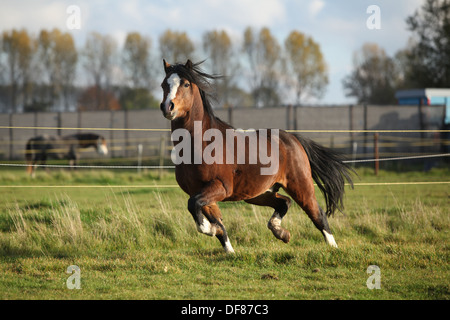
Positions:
(48, 71)
(425, 62)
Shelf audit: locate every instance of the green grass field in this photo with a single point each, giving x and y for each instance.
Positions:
(132, 240)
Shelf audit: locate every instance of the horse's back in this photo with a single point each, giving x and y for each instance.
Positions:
(46, 145)
(247, 180)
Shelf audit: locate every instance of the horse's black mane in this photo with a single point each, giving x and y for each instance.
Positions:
(194, 74)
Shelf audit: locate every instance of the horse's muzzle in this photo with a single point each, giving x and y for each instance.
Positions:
(168, 110)
(102, 149)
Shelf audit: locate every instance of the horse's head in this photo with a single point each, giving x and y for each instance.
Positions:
(101, 147)
(179, 90)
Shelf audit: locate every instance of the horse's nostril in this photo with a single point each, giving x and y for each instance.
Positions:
(161, 106)
(171, 106)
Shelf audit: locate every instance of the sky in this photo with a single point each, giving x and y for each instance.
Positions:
(340, 27)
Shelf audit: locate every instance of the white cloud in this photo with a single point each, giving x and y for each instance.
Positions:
(32, 15)
(315, 7)
(131, 9)
(255, 12)
(216, 14)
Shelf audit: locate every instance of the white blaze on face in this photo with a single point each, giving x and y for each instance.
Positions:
(101, 148)
(174, 82)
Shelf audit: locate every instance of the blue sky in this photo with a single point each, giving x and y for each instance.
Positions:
(338, 26)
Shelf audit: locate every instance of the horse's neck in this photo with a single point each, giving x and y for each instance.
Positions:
(196, 114)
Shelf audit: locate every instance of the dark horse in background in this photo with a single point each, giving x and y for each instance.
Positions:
(41, 148)
(186, 103)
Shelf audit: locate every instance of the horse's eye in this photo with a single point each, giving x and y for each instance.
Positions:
(186, 85)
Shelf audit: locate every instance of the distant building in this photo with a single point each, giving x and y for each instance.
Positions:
(426, 97)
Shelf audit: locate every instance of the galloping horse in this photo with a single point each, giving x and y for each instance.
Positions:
(41, 148)
(298, 162)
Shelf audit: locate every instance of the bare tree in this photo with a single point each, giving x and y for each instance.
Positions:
(135, 60)
(306, 64)
(47, 66)
(58, 56)
(263, 54)
(218, 46)
(68, 63)
(136, 66)
(374, 77)
(18, 48)
(99, 60)
(176, 46)
(428, 56)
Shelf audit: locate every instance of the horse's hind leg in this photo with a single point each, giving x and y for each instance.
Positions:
(281, 205)
(73, 158)
(31, 168)
(306, 199)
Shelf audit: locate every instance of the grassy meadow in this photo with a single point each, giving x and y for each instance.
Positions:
(133, 240)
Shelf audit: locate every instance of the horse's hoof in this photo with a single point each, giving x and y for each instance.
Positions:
(281, 234)
(285, 236)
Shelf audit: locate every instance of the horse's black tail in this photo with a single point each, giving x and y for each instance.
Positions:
(329, 171)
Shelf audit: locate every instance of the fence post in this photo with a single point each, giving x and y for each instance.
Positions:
(35, 123)
(421, 124)
(295, 116)
(230, 114)
(11, 150)
(288, 117)
(59, 123)
(111, 133)
(354, 152)
(376, 155)
(162, 149)
(140, 148)
(350, 126)
(79, 125)
(126, 131)
(365, 129)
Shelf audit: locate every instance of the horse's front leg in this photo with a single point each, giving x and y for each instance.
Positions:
(214, 216)
(207, 215)
(73, 158)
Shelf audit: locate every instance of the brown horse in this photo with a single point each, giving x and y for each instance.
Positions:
(295, 162)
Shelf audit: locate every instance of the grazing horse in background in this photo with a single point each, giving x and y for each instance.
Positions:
(300, 162)
(41, 148)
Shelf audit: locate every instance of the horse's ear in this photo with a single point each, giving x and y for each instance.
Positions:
(188, 64)
(166, 66)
